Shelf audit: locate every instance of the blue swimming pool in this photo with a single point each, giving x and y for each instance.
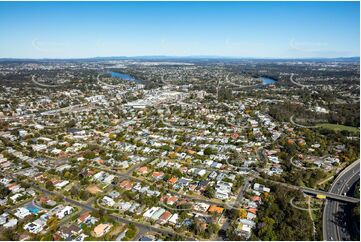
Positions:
(32, 209)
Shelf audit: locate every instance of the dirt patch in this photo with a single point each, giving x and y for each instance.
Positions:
(94, 189)
(116, 230)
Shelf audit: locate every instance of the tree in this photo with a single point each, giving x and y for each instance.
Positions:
(267, 232)
(84, 195)
(234, 214)
(132, 226)
(198, 226)
(212, 228)
(209, 192)
(232, 234)
(74, 191)
(53, 224)
(112, 136)
(4, 191)
(279, 220)
(89, 155)
(165, 147)
(10, 234)
(46, 237)
(49, 185)
(172, 155)
(242, 213)
(130, 232)
(208, 151)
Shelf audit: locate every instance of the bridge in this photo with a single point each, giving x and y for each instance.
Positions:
(311, 191)
(330, 195)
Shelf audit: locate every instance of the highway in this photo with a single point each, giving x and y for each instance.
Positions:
(42, 84)
(296, 83)
(299, 125)
(334, 225)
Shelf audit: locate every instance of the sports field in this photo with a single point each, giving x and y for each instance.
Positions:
(338, 127)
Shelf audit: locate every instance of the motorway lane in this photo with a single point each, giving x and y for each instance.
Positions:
(344, 233)
(332, 230)
(296, 83)
(339, 231)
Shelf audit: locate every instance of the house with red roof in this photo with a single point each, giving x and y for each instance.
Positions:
(173, 180)
(252, 210)
(126, 185)
(83, 217)
(158, 175)
(256, 199)
(143, 170)
(164, 217)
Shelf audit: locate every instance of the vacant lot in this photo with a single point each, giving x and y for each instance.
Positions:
(93, 189)
(338, 127)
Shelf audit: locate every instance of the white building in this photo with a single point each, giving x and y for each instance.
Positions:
(22, 212)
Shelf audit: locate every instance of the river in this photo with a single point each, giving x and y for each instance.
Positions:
(267, 80)
(125, 77)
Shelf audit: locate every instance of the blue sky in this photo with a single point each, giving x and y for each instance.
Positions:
(241, 29)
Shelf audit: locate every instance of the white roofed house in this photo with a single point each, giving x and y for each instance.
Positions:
(98, 175)
(274, 159)
(158, 213)
(223, 190)
(174, 219)
(4, 218)
(16, 197)
(260, 188)
(60, 211)
(11, 223)
(39, 147)
(134, 207)
(200, 207)
(63, 167)
(36, 226)
(213, 175)
(251, 216)
(22, 213)
(61, 184)
(221, 194)
(125, 206)
(108, 201)
(244, 230)
(55, 151)
(4, 180)
(103, 177)
(149, 213)
(108, 179)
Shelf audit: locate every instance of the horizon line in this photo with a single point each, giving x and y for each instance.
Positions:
(176, 57)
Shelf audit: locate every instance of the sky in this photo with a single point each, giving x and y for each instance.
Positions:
(232, 29)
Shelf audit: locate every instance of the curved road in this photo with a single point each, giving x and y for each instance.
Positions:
(296, 83)
(42, 84)
(334, 215)
(299, 125)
